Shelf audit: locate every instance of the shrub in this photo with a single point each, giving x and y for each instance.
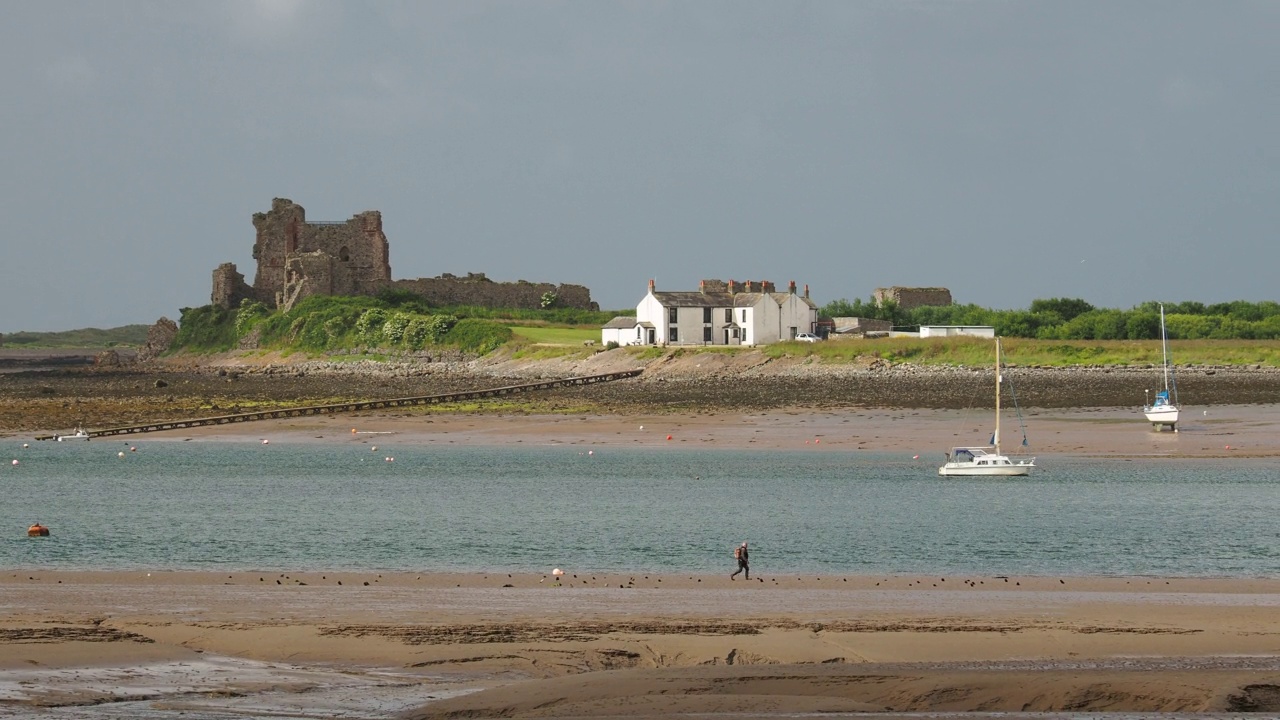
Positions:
(478, 336)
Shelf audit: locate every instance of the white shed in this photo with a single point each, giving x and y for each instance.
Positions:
(985, 331)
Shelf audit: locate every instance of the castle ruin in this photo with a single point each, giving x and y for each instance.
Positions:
(298, 258)
(907, 298)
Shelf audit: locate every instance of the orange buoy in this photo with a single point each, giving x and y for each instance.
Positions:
(38, 530)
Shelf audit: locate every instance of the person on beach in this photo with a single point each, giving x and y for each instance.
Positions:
(740, 553)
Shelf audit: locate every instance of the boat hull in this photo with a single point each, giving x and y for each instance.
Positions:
(965, 470)
(1162, 415)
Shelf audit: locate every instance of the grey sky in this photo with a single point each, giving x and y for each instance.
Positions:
(1113, 151)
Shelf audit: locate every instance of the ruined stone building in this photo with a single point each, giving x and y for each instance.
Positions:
(298, 258)
(908, 298)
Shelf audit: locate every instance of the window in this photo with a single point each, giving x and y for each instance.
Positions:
(671, 315)
(744, 315)
(673, 336)
(706, 315)
(706, 333)
(793, 332)
(728, 315)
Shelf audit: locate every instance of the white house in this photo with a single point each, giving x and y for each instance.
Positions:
(719, 313)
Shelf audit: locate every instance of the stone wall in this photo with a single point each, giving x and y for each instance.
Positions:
(160, 337)
(229, 287)
(908, 298)
(476, 289)
(356, 250)
(297, 259)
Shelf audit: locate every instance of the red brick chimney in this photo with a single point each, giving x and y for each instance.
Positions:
(792, 287)
(650, 287)
(806, 291)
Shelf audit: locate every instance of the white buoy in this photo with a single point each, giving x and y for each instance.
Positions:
(265, 441)
(557, 572)
(15, 462)
(374, 448)
(120, 454)
(591, 452)
(25, 446)
(641, 427)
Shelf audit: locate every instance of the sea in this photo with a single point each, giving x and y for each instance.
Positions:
(114, 504)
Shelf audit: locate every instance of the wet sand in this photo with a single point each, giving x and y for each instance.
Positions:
(642, 645)
(1234, 431)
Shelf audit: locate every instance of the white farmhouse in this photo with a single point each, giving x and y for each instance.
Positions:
(719, 313)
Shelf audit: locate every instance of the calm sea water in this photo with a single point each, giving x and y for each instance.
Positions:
(229, 505)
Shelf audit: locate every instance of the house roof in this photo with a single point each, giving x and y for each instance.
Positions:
(722, 299)
(620, 322)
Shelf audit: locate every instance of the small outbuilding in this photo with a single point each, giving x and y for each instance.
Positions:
(984, 331)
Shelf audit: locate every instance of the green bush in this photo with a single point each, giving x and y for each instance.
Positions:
(210, 328)
(478, 336)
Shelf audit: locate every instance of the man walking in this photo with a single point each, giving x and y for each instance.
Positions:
(740, 553)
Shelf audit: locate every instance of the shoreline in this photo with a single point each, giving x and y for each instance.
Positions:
(1228, 431)
(450, 643)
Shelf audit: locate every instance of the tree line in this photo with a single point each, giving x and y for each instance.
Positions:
(1075, 319)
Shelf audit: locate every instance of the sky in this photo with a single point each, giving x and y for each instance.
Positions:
(1117, 151)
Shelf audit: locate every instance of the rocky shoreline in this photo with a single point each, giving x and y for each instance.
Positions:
(676, 382)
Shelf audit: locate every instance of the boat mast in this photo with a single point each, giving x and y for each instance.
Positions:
(1164, 349)
(996, 436)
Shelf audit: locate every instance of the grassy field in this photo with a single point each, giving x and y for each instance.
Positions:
(557, 335)
(1047, 353)
(86, 338)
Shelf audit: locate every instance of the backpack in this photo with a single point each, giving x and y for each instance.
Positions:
(737, 553)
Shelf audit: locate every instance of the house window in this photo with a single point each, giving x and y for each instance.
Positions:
(706, 315)
(735, 333)
(793, 332)
(671, 315)
(673, 336)
(744, 315)
(706, 333)
(728, 315)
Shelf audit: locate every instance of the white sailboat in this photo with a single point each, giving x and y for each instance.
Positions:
(979, 461)
(1164, 411)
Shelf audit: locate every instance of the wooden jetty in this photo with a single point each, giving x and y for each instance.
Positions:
(353, 407)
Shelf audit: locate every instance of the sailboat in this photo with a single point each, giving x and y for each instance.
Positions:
(1164, 411)
(987, 461)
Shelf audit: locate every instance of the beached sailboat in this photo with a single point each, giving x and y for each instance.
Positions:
(979, 461)
(1164, 411)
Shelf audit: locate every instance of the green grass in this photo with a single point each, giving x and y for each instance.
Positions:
(85, 338)
(973, 352)
(557, 334)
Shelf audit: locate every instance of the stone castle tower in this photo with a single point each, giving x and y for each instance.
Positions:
(297, 259)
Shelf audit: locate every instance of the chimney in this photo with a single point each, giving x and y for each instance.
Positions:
(650, 287)
(702, 286)
(733, 287)
(792, 287)
(806, 291)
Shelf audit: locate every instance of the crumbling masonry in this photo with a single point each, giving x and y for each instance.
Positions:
(297, 259)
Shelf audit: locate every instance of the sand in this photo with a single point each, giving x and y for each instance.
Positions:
(1221, 431)
(349, 644)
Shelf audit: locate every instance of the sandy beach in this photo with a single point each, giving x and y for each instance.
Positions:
(644, 645)
(1220, 431)
(527, 645)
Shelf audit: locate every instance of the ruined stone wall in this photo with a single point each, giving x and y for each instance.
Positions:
(476, 289)
(229, 287)
(307, 274)
(358, 248)
(908, 298)
(297, 259)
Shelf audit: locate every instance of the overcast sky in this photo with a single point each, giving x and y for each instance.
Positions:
(1113, 151)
